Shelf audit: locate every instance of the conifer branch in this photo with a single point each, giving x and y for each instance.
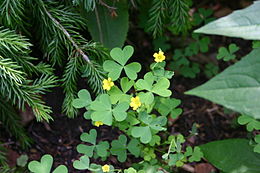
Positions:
(157, 15)
(12, 123)
(12, 14)
(68, 36)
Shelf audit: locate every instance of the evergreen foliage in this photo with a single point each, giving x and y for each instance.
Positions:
(58, 34)
(54, 29)
(172, 14)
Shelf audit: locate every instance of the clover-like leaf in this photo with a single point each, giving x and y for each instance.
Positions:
(211, 70)
(146, 83)
(118, 148)
(146, 97)
(154, 123)
(159, 88)
(86, 149)
(44, 166)
(158, 122)
(133, 147)
(100, 148)
(126, 84)
(132, 69)
(148, 154)
(84, 99)
(116, 95)
(144, 133)
(257, 146)
(155, 140)
(250, 122)
(103, 111)
(82, 163)
(176, 159)
(22, 160)
(130, 170)
(188, 151)
(195, 155)
(204, 44)
(119, 111)
(160, 73)
(114, 68)
(227, 54)
(166, 106)
(122, 56)
(89, 138)
(61, 169)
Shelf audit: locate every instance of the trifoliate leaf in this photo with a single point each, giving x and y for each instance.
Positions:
(100, 148)
(114, 68)
(196, 155)
(144, 132)
(227, 54)
(166, 106)
(103, 111)
(149, 154)
(118, 148)
(160, 87)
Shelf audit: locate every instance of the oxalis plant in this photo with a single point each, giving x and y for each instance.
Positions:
(140, 109)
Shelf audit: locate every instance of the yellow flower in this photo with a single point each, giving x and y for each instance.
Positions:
(107, 84)
(135, 102)
(98, 123)
(159, 57)
(106, 168)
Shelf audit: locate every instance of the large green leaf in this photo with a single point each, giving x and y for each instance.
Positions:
(241, 23)
(232, 156)
(109, 27)
(237, 88)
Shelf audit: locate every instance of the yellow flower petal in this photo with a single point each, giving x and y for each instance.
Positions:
(135, 103)
(98, 123)
(107, 84)
(159, 57)
(106, 168)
